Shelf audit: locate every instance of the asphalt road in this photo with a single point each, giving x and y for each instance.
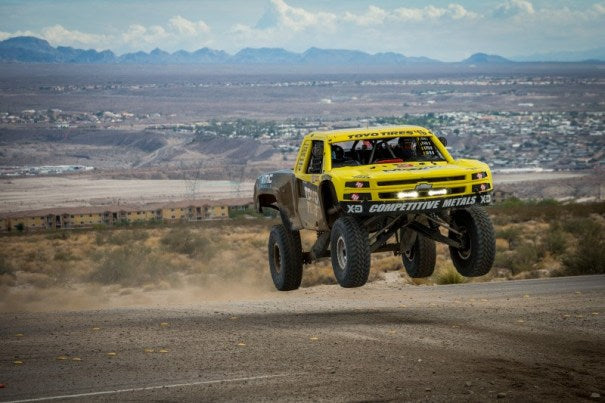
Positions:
(539, 340)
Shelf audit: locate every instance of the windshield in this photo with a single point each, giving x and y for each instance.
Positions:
(384, 151)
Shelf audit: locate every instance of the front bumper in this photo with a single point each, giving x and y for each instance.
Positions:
(416, 206)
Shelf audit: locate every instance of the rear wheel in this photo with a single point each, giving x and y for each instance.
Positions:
(285, 258)
(476, 256)
(419, 259)
(350, 252)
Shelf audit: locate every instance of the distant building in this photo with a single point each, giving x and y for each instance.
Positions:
(83, 217)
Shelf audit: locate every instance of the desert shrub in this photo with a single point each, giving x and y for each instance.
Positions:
(120, 237)
(515, 210)
(131, 265)
(554, 240)
(448, 275)
(511, 234)
(59, 234)
(580, 225)
(504, 259)
(250, 212)
(522, 258)
(589, 256)
(184, 241)
(64, 255)
(6, 267)
(526, 255)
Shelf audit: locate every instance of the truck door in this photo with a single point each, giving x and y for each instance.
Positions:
(308, 172)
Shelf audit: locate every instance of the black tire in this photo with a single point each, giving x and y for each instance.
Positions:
(285, 258)
(476, 257)
(419, 260)
(350, 252)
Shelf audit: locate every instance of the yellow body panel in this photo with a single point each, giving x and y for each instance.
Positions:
(453, 175)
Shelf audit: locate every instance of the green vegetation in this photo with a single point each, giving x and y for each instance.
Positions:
(239, 127)
(589, 254)
(448, 275)
(428, 120)
(546, 234)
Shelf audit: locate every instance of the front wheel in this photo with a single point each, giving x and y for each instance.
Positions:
(476, 233)
(350, 252)
(285, 258)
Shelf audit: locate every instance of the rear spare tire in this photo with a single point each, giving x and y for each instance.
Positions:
(476, 256)
(285, 258)
(419, 259)
(350, 252)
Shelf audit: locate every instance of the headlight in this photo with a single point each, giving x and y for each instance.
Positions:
(407, 195)
(437, 192)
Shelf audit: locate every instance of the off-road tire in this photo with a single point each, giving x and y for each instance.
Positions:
(350, 252)
(477, 255)
(285, 258)
(419, 260)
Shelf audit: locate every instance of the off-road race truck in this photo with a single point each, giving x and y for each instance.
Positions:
(384, 189)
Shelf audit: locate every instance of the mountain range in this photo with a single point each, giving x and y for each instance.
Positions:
(27, 49)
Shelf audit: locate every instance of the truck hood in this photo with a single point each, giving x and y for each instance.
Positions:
(410, 170)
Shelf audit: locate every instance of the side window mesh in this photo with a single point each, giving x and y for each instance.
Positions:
(426, 147)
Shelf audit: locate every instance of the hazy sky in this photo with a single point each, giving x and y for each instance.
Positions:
(445, 30)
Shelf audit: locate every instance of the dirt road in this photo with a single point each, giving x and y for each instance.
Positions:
(539, 340)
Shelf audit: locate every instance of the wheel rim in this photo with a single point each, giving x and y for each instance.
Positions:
(276, 258)
(341, 252)
(409, 254)
(465, 251)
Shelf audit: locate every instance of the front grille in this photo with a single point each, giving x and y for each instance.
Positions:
(422, 193)
(429, 180)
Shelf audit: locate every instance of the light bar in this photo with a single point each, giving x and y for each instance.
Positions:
(407, 195)
(437, 192)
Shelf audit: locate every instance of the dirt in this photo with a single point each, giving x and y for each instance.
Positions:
(530, 340)
(75, 191)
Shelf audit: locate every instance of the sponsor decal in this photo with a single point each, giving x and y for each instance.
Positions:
(426, 205)
(358, 184)
(265, 181)
(354, 209)
(361, 177)
(409, 132)
(403, 167)
(311, 194)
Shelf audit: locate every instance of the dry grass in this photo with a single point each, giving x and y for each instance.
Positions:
(229, 258)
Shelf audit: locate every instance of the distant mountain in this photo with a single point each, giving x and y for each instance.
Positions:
(482, 58)
(574, 56)
(265, 56)
(28, 49)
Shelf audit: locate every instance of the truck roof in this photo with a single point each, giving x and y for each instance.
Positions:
(339, 135)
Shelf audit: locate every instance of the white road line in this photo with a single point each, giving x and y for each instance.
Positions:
(176, 385)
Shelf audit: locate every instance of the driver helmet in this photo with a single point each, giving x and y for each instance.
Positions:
(407, 143)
